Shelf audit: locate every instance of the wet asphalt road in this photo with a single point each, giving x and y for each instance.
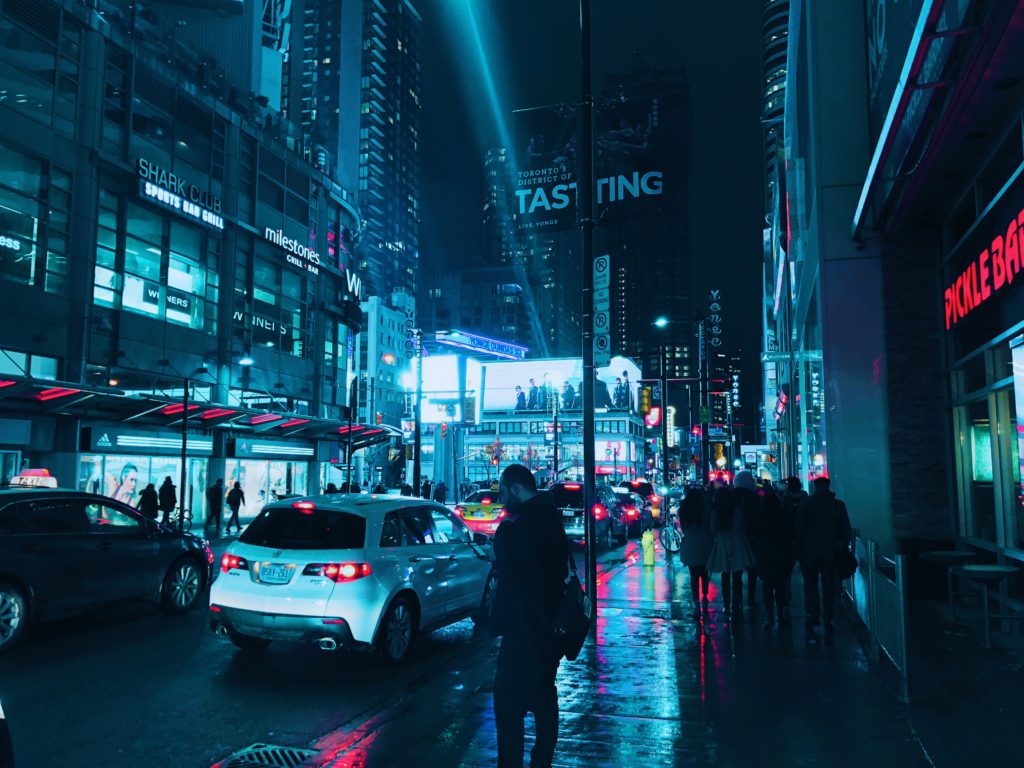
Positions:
(130, 687)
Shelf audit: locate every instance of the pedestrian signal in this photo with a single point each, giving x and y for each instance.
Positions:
(444, 431)
(380, 417)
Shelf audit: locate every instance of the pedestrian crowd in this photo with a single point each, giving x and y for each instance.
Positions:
(757, 532)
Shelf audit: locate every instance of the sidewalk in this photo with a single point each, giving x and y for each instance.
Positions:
(658, 688)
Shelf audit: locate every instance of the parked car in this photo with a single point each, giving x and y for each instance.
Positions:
(345, 571)
(608, 525)
(6, 747)
(654, 500)
(636, 510)
(482, 512)
(64, 552)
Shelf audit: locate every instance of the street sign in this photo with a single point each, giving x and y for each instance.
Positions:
(602, 349)
(602, 272)
(602, 321)
(602, 299)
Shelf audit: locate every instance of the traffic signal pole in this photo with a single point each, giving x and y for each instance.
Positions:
(585, 206)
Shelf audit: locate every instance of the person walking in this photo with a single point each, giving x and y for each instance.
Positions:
(425, 489)
(168, 500)
(441, 492)
(236, 499)
(406, 489)
(531, 557)
(774, 554)
(822, 526)
(791, 500)
(214, 505)
(730, 551)
(748, 501)
(149, 502)
(696, 547)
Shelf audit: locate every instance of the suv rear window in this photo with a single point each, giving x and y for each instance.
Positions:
(567, 497)
(290, 528)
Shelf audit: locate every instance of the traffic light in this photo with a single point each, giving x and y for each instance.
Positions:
(380, 417)
(494, 461)
(444, 430)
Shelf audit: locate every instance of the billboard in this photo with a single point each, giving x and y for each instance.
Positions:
(451, 389)
(628, 146)
(544, 169)
(531, 385)
(630, 139)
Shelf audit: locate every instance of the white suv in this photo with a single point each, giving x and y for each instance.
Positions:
(350, 571)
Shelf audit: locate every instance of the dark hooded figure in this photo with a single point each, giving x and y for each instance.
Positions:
(168, 500)
(149, 502)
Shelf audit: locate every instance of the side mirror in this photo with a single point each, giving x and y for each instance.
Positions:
(482, 539)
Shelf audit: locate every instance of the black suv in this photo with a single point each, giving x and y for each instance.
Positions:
(608, 525)
(63, 552)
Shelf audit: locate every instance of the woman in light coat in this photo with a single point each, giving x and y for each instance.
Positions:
(730, 552)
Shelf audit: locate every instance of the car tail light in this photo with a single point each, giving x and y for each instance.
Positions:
(502, 513)
(338, 572)
(572, 486)
(600, 513)
(653, 498)
(631, 512)
(486, 500)
(232, 562)
(459, 511)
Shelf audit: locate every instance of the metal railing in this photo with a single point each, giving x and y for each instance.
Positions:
(878, 591)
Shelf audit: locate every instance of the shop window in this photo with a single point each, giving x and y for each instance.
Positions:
(980, 474)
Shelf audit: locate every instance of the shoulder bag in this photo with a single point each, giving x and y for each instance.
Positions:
(575, 615)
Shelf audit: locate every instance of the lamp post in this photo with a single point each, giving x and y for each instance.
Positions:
(661, 323)
(416, 442)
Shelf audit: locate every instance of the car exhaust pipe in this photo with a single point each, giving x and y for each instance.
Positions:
(222, 631)
(328, 644)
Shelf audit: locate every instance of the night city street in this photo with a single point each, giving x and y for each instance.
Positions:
(475, 383)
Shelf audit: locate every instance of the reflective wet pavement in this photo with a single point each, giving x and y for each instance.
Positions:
(659, 688)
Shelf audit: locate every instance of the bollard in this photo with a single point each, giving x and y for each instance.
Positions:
(647, 542)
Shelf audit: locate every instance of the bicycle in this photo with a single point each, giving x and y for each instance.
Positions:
(173, 520)
(671, 537)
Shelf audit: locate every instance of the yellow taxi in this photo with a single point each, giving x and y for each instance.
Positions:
(482, 512)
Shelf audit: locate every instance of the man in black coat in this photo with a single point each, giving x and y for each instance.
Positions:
(531, 552)
(168, 499)
(822, 526)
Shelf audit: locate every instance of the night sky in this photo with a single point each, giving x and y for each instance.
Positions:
(532, 50)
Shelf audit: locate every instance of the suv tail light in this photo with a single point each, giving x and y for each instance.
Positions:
(230, 562)
(459, 511)
(338, 572)
(600, 513)
(631, 512)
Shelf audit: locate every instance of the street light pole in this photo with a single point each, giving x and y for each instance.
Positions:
(664, 415)
(184, 459)
(554, 409)
(416, 441)
(586, 221)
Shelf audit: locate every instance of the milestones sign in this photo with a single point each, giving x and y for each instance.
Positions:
(176, 193)
(296, 254)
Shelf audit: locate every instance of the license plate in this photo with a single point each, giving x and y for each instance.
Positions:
(274, 574)
(568, 513)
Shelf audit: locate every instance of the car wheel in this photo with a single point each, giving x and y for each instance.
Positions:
(248, 642)
(13, 616)
(183, 585)
(396, 632)
(483, 615)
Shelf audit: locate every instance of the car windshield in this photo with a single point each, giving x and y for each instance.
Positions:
(291, 528)
(567, 496)
(483, 497)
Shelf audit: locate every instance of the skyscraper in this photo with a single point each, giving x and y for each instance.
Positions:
(353, 81)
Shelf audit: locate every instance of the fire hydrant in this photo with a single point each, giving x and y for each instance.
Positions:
(647, 542)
